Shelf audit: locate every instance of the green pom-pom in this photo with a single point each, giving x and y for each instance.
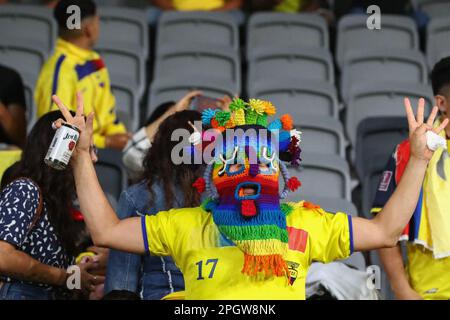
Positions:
(222, 117)
(238, 104)
(286, 208)
(262, 120)
(251, 117)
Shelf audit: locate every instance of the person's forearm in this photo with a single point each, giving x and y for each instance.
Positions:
(97, 212)
(392, 261)
(19, 265)
(397, 212)
(152, 128)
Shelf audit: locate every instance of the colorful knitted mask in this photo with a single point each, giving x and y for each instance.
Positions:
(245, 174)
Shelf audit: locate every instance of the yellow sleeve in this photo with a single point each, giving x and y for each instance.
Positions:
(331, 237)
(155, 229)
(56, 78)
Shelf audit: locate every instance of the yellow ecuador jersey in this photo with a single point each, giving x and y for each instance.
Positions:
(70, 70)
(211, 264)
(190, 5)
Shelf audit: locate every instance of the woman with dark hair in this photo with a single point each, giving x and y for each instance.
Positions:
(38, 235)
(164, 185)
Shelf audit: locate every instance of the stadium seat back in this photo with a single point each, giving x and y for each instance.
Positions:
(127, 105)
(397, 32)
(383, 65)
(291, 63)
(438, 34)
(187, 28)
(432, 8)
(124, 28)
(110, 172)
(173, 89)
(378, 100)
(324, 176)
(285, 30)
(28, 25)
(321, 135)
(26, 61)
(297, 97)
(199, 61)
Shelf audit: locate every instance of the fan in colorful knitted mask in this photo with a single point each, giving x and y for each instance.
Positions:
(245, 198)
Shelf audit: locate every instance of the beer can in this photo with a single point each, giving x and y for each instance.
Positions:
(62, 146)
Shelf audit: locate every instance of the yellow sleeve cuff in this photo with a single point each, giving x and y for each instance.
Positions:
(100, 141)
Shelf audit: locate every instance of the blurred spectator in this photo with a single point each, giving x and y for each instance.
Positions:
(37, 231)
(293, 6)
(343, 7)
(137, 147)
(75, 67)
(12, 108)
(164, 186)
(426, 275)
(231, 6)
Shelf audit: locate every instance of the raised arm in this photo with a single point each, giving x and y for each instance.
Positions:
(385, 229)
(105, 228)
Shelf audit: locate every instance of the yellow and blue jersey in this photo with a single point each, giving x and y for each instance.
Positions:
(70, 70)
(211, 264)
(189, 5)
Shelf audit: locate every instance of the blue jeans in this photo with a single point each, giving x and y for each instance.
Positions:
(21, 291)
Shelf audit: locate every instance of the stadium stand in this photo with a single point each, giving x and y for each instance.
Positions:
(33, 27)
(438, 46)
(127, 105)
(432, 8)
(298, 97)
(286, 30)
(398, 32)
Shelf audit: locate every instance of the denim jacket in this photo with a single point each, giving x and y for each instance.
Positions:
(149, 276)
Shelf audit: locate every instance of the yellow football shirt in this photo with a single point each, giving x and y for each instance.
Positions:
(70, 70)
(211, 264)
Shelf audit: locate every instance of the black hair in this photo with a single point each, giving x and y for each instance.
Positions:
(88, 9)
(159, 111)
(57, 187)
(440, 76)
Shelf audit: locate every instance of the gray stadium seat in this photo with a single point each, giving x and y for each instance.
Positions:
(438, 44)
(385, 290)
(122, 27)
(31, 107)
(331, 205)
(380, 65)
(397, 32)
(377, 100)
(184, 28)
(198, 61)
(127, 105)
(370, 183)
(173, 89)
(324, 176)
(290, 63)
(110, 171)
(432, 8)
(321, 135)
(125, 66)
(28, 25)
(26, 61)
(285, 30)
(297, 97)
(377, 137)
(356, 260)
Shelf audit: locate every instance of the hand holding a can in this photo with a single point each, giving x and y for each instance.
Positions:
(84, 124)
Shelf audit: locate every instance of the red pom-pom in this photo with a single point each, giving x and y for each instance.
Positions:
(293, 184)
(287, 122)
(199, 184)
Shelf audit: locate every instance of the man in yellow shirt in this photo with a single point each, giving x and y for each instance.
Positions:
(427, 274)
(243, 243)
(75, 67)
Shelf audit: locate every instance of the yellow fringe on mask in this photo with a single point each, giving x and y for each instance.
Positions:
(239, 117)
(269, 264)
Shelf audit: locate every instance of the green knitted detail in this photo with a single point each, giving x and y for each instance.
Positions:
(262, 120)
(238, 104)
(222, 117)
(265, 232)
(250, 117)
(286, 208)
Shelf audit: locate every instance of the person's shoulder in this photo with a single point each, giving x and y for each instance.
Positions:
(303, 213)
(22, 187)
(192, 214)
